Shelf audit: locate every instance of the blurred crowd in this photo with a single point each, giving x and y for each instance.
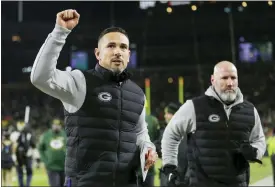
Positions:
(255, 80)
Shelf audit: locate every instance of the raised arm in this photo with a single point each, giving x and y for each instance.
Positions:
(63, 85)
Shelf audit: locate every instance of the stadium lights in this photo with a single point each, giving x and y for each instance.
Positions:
(169, 10)
(170, 80)
(240, 8)
(194, 7)
(16, 38)
(227, 10)
(270, 3)
(27, 69)
(244, 4)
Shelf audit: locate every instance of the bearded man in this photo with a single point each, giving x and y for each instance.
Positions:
(224, 133)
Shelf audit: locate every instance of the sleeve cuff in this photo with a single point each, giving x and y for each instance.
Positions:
(147, 145)
(259, 155)
(60, 33)
(151, 145)
(173, 162)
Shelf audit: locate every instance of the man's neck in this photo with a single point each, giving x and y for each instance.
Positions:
(106, 69)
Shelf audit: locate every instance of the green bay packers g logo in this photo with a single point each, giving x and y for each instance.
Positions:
(214, 118)
(56, 144)
(104, 96)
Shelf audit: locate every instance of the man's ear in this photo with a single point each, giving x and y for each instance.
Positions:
(97, 54)
(129, 56)
(212, 79)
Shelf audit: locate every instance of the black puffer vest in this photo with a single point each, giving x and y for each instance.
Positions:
(212, 147)
(102, 135)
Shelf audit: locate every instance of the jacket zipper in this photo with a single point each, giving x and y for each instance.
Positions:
(227, 127)
(227, 130)
(119, 123)
(227, 133)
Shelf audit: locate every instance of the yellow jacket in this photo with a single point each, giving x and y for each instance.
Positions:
(271, 145)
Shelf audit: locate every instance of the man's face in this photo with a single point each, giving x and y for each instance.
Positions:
(113, 51)
(56, 128)
(167, 116)
(225, 82)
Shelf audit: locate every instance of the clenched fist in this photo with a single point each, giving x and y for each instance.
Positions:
(67, 19)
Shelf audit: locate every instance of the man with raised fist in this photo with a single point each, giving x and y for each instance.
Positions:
(104, 110)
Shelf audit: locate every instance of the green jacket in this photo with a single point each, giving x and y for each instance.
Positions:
(153, 128)
(52, 149)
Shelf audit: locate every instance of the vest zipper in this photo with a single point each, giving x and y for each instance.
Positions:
(227, 130)
(118, 147)
(227, 135)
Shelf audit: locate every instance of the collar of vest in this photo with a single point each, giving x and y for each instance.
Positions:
(214, 101)
(111, 76)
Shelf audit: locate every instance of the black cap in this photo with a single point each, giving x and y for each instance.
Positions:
(172, 108)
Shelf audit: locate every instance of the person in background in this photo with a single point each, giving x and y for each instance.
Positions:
(24, 145)
(224, 133)
(52, 149)
(153, 128)
(7, 162)
(169, 112)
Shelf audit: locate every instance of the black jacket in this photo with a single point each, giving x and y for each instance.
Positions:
(212, 147)
(101, 145)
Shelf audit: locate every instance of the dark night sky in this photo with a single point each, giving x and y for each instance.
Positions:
(45, 11)
(160, 37)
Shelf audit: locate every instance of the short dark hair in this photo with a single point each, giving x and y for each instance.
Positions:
(172, 107)
(112, 29)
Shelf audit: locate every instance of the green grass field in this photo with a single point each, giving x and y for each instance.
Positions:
(39, 178)
(258, 172)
